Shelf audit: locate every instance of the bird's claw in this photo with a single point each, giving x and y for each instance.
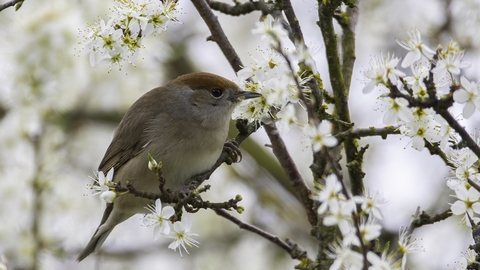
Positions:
(233, 151)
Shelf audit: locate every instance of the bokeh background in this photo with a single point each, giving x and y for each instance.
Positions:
(58, 115)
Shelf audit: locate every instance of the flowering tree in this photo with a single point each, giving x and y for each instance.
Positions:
(421, 86)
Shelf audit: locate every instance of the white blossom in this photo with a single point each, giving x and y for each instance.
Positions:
(413, 43)
(158, 218)
(382, 263)
(470, 95)
(468, 202)
(398, 110)
(407, 245)
(102, 183)
(182, 236)
(270, 29)
(340, 214)
(344, 257)
(120, 39)
(329, 193)
(370, 203)
(321, 135)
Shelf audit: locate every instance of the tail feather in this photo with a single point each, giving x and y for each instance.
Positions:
(98, 238)
(94, 244)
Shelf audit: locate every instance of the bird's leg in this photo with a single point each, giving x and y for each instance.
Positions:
(233, 151)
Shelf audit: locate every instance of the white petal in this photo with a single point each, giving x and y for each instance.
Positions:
(369, 87)
(465, 83)
(460, 96)
(454, 70)
(427, 51)
(156, 232)
(167, 212)
(165, 227)
(178, 226)
(390, 117)
(418, 143)
(458, 208)
(468, 110)
(158, 206)
(464, 65)
(325, 127)
(411, 58)
(330, 141)
(476, 207)
(329, 221)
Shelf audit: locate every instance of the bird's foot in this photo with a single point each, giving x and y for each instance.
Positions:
(233, 151)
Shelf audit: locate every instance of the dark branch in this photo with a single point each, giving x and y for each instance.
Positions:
(293, 21)
(425, 219)
(9, 4)
(367, 132)
(240, 8)
(286, 161)
(217, 34)
(340, 91)
(291, 248)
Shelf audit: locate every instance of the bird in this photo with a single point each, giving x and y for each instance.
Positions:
(183, 124)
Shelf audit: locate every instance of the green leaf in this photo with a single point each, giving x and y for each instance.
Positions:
(18, 5)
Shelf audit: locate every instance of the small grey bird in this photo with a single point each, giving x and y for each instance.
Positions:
(183, 124)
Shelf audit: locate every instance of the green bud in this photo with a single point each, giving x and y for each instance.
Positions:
(240, 209)
(152, 163)
(238, 198)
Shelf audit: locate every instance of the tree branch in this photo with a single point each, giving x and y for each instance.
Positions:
(325, 13)
(291, 248)
(367, 132)
(241, 8)
(293, 21)
(425, 219)
(281, 153)
(9, 4)
(348, 22)
(217, 34)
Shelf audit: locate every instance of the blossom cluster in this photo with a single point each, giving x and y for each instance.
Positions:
(120, 38)
(159, 219)
(441, 70)
(272, 78)
(421, 123)
(358, 228)
(465, 169)
(275, 80)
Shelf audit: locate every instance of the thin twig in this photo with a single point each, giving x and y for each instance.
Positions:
(296, 179)
(217, 34)
(425, 219)
(241, 8)
(9, 4)
(293, 21)
(291, 248)
(367, 132)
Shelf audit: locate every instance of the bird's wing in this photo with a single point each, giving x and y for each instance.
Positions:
(129, 139)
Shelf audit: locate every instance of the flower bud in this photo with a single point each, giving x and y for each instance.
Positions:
(108, 196)
(152, 163)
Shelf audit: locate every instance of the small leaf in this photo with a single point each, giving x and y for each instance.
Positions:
(18, 5)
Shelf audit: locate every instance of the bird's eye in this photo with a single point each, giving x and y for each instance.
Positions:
(216, 92)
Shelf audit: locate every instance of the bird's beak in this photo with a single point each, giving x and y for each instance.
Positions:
(246, 95)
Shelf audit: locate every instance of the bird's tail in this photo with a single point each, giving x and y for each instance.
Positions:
(94, 244)
(99, 236)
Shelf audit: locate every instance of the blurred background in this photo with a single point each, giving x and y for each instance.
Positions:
(58, 115)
